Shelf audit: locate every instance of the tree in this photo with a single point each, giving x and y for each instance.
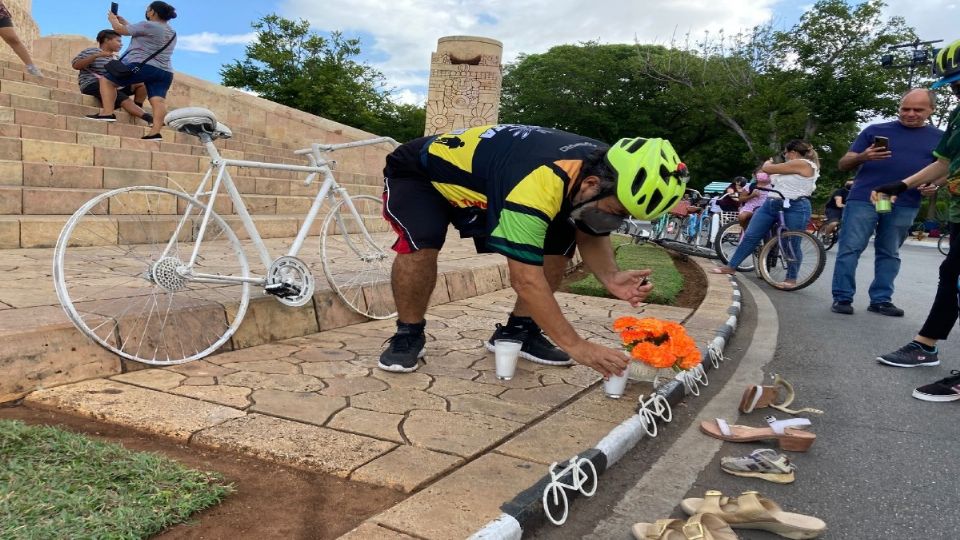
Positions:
(294, 66)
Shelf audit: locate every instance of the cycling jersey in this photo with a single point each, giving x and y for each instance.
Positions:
(514, 178)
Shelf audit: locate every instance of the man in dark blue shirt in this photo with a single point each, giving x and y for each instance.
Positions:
(884, 153)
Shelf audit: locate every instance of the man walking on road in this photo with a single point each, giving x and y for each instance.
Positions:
(534, 195)
(884, 152)
(922, 351)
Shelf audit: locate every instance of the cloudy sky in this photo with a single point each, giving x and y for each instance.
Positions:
(399, 35)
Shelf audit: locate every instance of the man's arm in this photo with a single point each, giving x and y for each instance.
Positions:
(934, 173)
(84, 63)
(531, 286)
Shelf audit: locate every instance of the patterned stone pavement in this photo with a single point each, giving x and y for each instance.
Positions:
(454, 436)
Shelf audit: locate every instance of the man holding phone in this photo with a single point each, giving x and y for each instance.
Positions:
(882, 153)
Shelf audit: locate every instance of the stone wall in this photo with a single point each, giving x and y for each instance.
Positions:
(465, 80)
(22, 20)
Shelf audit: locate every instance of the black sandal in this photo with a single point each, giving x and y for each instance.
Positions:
(154, 137)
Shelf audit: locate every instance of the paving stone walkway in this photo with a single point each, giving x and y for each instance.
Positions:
(451, 433)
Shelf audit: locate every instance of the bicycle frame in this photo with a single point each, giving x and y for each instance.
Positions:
(318, 166)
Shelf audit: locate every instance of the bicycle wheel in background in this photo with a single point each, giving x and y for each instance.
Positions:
(358, 270)
(117, 271)
(796, 250)
(674, 228)
(943, 244)
(828, 239)
(726, 243)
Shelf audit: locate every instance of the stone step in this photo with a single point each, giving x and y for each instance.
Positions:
(39, 347)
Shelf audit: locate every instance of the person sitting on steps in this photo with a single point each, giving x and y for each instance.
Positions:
(89, 62)
(534, 195)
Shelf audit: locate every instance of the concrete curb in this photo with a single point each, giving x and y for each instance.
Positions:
(525, 511)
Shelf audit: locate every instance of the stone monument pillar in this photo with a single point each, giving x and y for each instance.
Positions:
(465, 76)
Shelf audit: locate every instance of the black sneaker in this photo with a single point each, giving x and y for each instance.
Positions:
(103, 117)
(147, 117)
(842, 306)
(886, 308)
(536, 347)
(947, 389)
(910, 355)
(405, 350)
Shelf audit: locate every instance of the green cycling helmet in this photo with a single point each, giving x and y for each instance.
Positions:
(947, 65)
(651, 178)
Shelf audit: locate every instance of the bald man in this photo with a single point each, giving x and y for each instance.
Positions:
(882, 153)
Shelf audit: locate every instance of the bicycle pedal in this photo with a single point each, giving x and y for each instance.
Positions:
(282, 290)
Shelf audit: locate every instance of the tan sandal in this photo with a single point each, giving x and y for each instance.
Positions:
(786, 433)
(759, 396)
(699, 526)
(753, 511)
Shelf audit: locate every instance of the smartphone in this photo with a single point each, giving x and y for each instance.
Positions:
(881, 142)
(114, 7)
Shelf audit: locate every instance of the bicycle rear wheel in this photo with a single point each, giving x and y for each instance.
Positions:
(728, 239)
(797, 255)
(358, 270)
(688, 249)
(828, 239)
(118, 272)
(943, 244)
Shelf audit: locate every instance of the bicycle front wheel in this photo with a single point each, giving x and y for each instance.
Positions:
(943, 244)
(792, 260)
(119, 269)
(728, 239)
(357, 269)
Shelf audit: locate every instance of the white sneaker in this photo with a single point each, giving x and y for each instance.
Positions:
(34, 70)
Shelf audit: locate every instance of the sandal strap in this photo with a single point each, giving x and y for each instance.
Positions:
(790, 395)
(724, 427)
(779, 426)
(661, 526)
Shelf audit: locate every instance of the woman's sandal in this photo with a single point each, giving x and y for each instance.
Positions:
(763, 463)
(784, 431)
(699, 526)
(753, 511)
(759, 396)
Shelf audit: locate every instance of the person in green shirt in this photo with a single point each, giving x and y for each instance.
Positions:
(922, 351)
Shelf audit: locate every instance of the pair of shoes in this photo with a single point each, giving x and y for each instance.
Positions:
(103, 117)
(910, 355)
(844, 307)
(788, 433)
(754, 511)
(536, 347)
(154, 137)
(34, 70)
(700, 526)
(759, 396)
(406, 349)
(763, 463)
(147, 117)
(886, 308)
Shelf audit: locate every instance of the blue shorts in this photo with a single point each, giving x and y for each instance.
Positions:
(156, 80)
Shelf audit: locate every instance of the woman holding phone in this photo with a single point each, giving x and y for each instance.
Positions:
(149, 53)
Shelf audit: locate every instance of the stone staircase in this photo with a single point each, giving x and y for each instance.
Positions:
(52, 160)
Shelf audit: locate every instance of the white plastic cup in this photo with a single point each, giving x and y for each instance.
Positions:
(614, 385)
(506, 351)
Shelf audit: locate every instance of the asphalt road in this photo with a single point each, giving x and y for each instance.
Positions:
(884, 464)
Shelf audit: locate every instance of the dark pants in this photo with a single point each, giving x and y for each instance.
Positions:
(943, 313)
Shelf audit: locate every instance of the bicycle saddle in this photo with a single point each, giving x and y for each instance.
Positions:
(197, 120)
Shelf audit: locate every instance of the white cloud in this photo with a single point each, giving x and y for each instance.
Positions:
(406, 31)
(209, 42)
(407, 96)
(933, 19)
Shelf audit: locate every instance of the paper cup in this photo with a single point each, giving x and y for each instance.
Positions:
(614, 385)
(506, 352)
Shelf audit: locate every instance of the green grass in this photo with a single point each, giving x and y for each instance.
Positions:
(666, 280)
(57, 484)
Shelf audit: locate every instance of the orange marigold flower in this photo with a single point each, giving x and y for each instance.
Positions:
(630, 337)
(624, 323)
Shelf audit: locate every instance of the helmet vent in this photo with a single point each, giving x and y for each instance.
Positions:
(664, 173)
(636, 144)
(641, 199)
(673, 201)
(638, 181)
(655, 199)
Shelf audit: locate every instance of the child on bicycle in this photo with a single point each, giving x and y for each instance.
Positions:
(753, 198)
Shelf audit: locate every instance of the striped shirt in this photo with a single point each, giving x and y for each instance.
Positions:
(90, 74)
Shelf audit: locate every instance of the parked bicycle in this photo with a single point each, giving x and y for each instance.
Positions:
(700, 230)
(943, 244)
(157, 275)
(828, 233)
(783, 253)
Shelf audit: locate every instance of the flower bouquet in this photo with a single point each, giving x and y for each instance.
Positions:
(658, 344)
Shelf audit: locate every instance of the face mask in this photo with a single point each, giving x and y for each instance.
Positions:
(592, 219)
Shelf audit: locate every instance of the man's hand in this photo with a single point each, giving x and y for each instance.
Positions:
(630, 285)
(893, 189)
(928, 190)
(874, 153)
(605, 360)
